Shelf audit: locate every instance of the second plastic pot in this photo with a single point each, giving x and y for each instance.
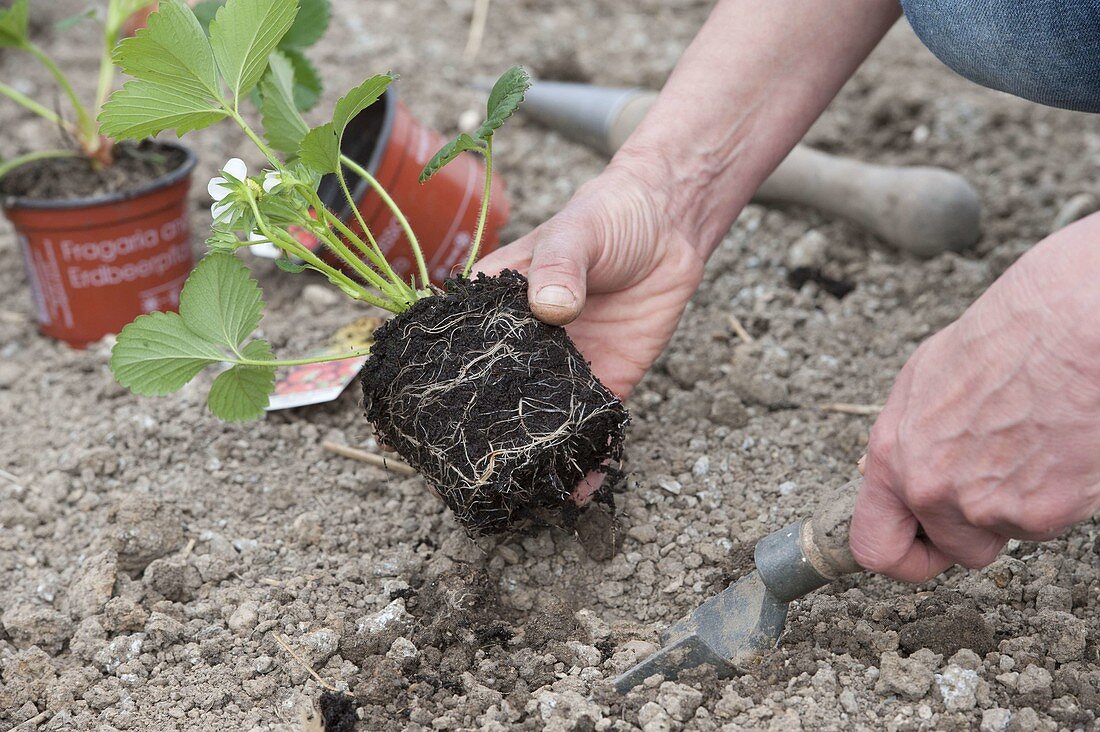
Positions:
(394, 146)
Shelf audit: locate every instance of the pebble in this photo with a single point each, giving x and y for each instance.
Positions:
(94, 585)
(320, 645)
(672, 486)
(1063, 634)
(727, 410)
(679, 700)
(28, 625)
(958, 687)
(244, 618)
(701, 467)
(995, 720)
(264, 664)
(142, 530)
(653, 718)
(1035, 683)
(787, 488)
(908, 677)
(811, 250)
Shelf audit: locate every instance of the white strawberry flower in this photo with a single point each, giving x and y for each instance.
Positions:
(272, 180)
(221, 187)
(261, 246)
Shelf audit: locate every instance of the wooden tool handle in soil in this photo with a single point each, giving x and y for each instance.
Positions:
(824, 537)
(920, 210)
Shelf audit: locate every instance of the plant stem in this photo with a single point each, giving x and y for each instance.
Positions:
(88, 127)
(22, 99)
(404, 222)
(267, 151)
(304, 361)
(288, 244)
(106, 75)
(484, 213)
(385, 264)
(6, 166)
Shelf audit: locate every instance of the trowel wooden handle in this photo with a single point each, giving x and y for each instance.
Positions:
(919, 210)
(824, 537)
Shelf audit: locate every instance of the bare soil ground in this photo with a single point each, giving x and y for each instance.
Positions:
(152, 557)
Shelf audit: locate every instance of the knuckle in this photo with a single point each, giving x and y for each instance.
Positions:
(924, 497)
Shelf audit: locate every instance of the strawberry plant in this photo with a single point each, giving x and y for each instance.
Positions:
(498, 410)
(77, 121)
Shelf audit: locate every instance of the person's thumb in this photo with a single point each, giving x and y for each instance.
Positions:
(561, 254)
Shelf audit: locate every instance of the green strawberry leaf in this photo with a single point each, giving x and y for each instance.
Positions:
(158, 354)
(320, 149)
(287, 265)
(220, 301)
(283, 124)
(311, 23)
(172, 52)
(307, 81)
(504, 100)
(449, 152)
(142, 109)
(242, 392)
(13, 25)
(243, 35)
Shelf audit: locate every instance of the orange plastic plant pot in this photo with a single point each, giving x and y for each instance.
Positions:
(394, 146)
(95, 264)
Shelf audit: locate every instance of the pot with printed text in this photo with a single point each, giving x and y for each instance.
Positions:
(94, 264)
(393, 146)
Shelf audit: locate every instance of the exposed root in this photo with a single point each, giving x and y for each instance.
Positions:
(497, 410)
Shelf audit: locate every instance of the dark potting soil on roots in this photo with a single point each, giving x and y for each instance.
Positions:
(59, 179)
(498, 410)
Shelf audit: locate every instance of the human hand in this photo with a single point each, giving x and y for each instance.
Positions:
(614, 268)
(992, 429)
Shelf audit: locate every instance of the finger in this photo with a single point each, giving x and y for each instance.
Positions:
(558, 275)
(965, 544)
(587, 488)
(883, 537)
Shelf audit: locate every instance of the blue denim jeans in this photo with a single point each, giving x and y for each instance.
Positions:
(1047, 51)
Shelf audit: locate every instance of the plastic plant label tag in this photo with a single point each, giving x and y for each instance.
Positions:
(317, 383)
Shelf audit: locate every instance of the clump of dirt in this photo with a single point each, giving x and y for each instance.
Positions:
(498, 410)
(59, 179)
(338, 712)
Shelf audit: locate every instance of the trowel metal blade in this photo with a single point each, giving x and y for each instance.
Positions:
(735, 625)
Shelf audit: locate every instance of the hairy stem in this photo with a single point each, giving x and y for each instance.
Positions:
(302, 361)
(89, 130)
(256, 139)
(404, 222)
(6, 166)
(383, 263)
(106, 74)
(483, 214)
(25, 101)
(288, 244)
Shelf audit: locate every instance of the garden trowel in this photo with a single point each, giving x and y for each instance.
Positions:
(747, 618)
(921, 210)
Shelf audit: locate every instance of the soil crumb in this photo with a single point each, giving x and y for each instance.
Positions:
(338, 712)
(61, 179)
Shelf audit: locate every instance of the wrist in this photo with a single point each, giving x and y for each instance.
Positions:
(683, 189)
